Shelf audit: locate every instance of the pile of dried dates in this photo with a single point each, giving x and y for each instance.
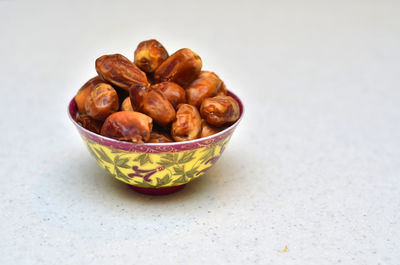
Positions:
(155, 99)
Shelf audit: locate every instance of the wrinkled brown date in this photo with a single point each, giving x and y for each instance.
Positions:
(187, 125)
(128, 126)
(156, 137)
(153, 103)
(149, 55)
(84, 92)
(220, 110)
(89, 123)
(173, 92)
(206, 85)
(182, 67)
(208, 129)
(102, 101)
(118, 70)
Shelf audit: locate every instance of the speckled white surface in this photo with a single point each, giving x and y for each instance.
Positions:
(314, 166)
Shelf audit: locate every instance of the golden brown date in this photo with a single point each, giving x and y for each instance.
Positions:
(128, 126)
(84, 92)
(149, 55)
(223, 91)
(208, 129)
(220, 110)
(182, 67)
(172, 91)
(156, 137)
(102, 101)
(89, 123)
(206, 85)
(187, 124)
(118, 70)
(153, 103)
(126, 104)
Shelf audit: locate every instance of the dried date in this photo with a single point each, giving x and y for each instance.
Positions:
(84, 93)
(172, 91)
(220, 110)
(102, 101)
(182, 68)
(206, 85)
(156, 137)
(128, 126)
(153, 103)
(149, 55)
(89, 123)
(187, 125)
(118, 70)
(208, 129)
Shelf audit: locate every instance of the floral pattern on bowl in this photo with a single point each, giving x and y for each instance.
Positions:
(156, 170)
(155, 165)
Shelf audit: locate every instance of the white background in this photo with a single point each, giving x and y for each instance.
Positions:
(313, 166)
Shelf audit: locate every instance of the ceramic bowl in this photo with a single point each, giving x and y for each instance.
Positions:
(156, 168)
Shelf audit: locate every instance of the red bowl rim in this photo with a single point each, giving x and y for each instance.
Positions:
(222, 134)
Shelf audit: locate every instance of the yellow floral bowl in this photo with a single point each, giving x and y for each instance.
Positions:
(156, 168)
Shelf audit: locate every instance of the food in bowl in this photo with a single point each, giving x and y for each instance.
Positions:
(160, 117)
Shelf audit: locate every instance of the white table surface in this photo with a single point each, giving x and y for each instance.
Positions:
(314, 165)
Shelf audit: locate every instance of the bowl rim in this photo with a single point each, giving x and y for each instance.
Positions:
(229, 93)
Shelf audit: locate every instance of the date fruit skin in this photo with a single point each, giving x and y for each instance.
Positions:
(128, 126)
(208, 129)
(182, 68)
(153, 103)
(156, 137)
(223, 91)
(84, 92)
(220, 110)
(126, 104)
(187, 124)
(119, 71)
(173, 92)
(102, 101)
(89, 123)
(206, 85)
(149, 54)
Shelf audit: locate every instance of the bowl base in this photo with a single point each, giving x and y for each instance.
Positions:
(157, 191)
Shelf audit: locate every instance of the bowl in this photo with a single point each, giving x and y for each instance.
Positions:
(156, 168)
